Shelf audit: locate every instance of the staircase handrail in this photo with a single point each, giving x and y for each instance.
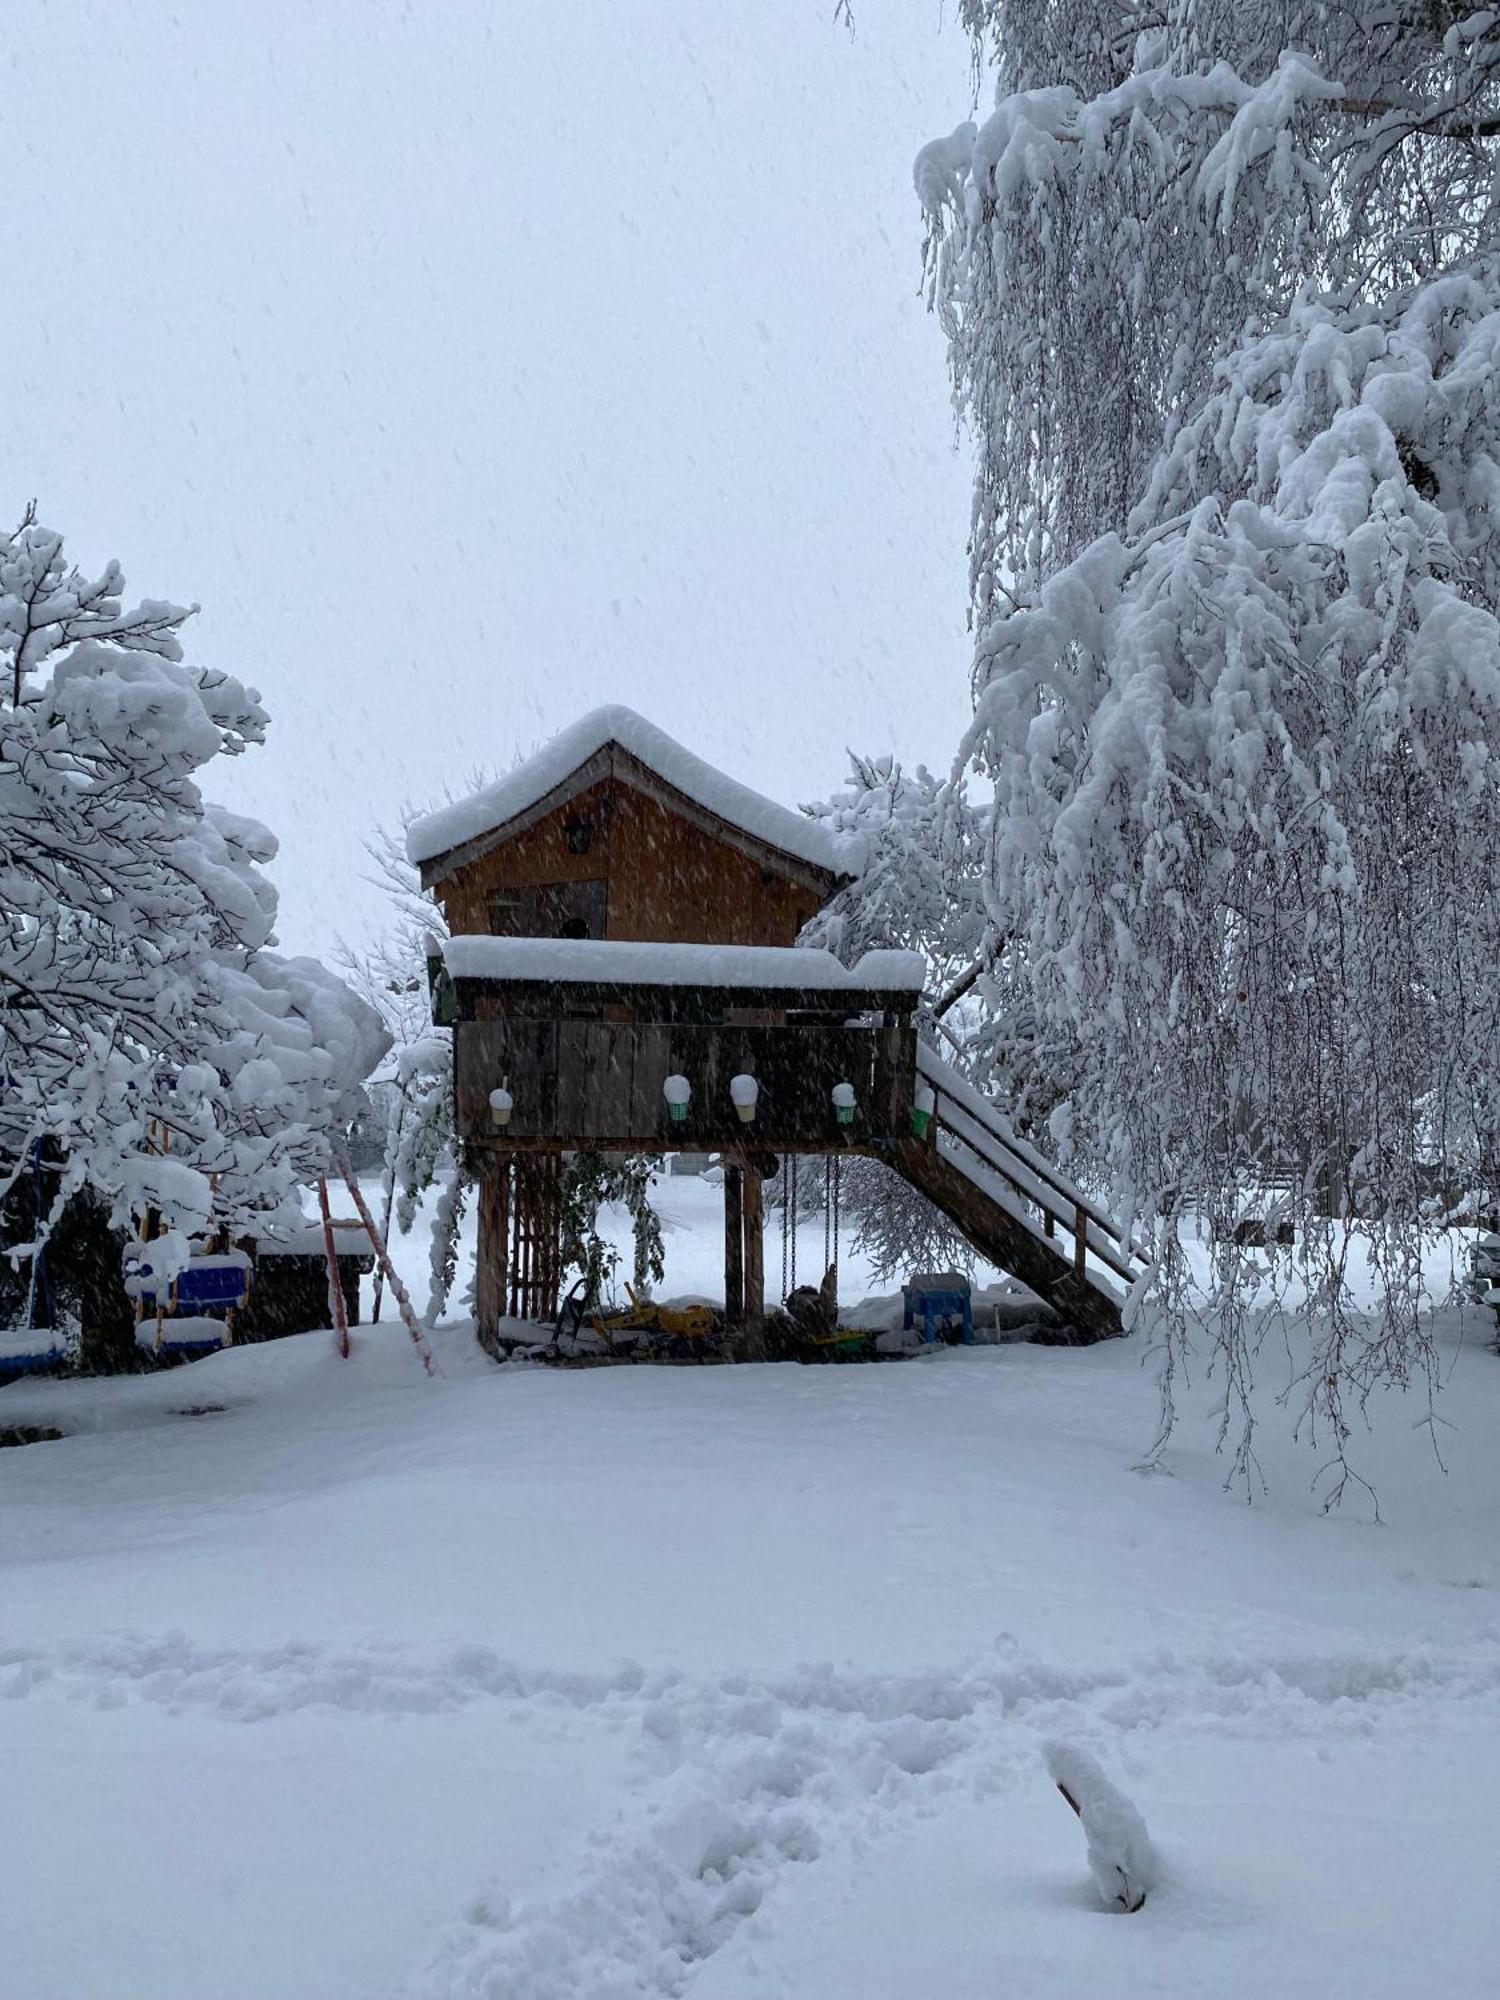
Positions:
(1103, 1243)
(1028, 1170)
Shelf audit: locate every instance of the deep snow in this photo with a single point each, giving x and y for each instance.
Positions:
(730, 1683)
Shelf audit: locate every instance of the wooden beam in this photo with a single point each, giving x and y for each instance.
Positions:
(754, 1213)
(492, 1265)
(549, 999)
(734, 1246)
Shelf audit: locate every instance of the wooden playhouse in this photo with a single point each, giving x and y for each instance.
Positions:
(621, 974)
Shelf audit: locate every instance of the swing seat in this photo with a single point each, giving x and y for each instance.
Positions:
(188, 1336)
(210, 1281)
(32, 1351)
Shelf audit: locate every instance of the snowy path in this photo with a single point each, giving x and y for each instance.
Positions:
(363, 1688)
(726, 1789)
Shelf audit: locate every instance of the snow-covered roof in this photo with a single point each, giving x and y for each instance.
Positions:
(495, 806)
(349, 1240)
(623, 962)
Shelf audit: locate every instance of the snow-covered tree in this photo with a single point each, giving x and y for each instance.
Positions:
(1222, 289)
(415, 1083)
(152, 1048)
(920, 889)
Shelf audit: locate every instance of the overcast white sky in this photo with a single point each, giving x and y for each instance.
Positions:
(474, 362)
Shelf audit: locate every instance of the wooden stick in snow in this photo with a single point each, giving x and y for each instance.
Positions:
(336, 1308)
(408, 1312)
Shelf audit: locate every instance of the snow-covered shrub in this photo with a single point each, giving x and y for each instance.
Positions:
(895, 1226)
(1122, 1860)
(591, 1181)
(151, 1044)
(920, 889)
(1222, 290)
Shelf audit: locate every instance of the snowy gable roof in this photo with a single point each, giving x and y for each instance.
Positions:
(491, 809)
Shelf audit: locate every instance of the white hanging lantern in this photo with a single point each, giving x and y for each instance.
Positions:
(679, 1093)
(923, 1104)
(843, 1103)
(746, 1094)
(501, 1106)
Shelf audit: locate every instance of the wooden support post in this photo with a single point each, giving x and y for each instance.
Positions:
(754, 1213)
(520, 1284)
(1080, 1243)
(492, 1268)
(734, 1246)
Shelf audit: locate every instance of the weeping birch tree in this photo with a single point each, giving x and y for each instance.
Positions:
(1221, 285)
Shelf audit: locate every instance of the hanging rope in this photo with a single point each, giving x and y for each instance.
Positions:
(837, 1168)
(827, 1210)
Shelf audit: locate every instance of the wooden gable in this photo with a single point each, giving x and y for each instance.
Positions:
(616, 852)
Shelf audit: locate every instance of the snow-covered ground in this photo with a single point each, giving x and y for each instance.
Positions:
(328, 1681)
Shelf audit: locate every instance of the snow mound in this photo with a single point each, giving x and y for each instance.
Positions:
(1122, 1860)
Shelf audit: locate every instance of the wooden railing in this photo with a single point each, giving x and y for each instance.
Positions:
(586, 1066)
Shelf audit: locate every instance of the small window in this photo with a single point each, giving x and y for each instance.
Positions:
(548, 909)
(505, 909)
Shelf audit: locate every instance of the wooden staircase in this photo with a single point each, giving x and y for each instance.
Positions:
(1017, 1209)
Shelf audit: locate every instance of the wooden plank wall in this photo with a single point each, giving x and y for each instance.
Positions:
(585, 1083)
(666, 879)
(671, 881)
(538, 856)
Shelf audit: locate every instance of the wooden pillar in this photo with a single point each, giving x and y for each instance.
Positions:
(492, 1266)
(734, 1246)
(754, 1213)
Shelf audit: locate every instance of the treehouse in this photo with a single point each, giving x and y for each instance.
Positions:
(620, 975)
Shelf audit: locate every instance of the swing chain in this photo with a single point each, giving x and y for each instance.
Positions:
(787, 1217)
(794, 1163)
(788, 1225)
